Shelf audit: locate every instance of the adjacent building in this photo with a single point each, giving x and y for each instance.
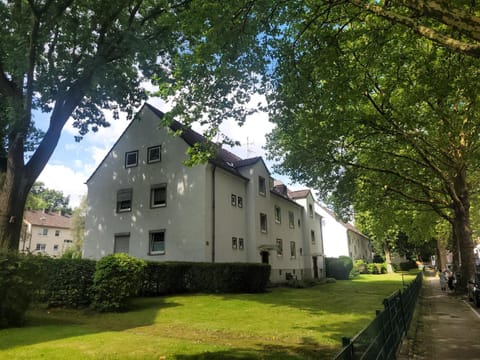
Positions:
(343, 239)
(144, 201)
(45, 232)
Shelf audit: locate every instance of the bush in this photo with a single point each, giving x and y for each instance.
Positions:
(177, 277)
(339, 268)
(360, 267)
(20, 277)
(117, 278)
(68, 282)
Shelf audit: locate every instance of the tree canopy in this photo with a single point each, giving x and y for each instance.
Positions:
(77, 58)
(364, 107)
(41, 198)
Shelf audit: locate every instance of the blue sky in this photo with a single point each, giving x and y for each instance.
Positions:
(72, 163)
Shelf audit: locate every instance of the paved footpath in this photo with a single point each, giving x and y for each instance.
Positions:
(444, 326)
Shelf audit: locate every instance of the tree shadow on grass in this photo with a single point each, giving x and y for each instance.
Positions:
(308, 349)
(43, 324)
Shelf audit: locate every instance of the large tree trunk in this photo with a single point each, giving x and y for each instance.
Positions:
(13, 195)
(388, 257)
(463, 232)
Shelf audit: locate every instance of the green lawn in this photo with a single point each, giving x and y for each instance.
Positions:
(280, 324)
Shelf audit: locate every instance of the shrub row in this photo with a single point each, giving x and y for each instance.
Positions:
(106, 284)
(181, 277)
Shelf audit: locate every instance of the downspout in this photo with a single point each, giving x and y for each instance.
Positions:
(213, 212)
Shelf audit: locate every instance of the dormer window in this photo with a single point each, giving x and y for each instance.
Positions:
(131, 159)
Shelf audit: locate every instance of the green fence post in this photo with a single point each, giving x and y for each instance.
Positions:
(347, 344)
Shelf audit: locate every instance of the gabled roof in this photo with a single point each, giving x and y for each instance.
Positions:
(299, 194)
(47, 219)
(224, 159)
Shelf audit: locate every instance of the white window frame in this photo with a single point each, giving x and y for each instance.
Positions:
(293, 250)
(262, 186)
(124, 197)
(151, 160)
(278, 214)
(153, 190)
(128, 162)
(151, 234)
(279, 243)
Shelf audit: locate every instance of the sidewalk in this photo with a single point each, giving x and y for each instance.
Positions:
(444, 326)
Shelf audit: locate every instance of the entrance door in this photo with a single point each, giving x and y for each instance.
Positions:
(315, 267)
(264, 255)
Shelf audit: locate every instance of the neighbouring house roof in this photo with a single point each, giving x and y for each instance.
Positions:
(47, 219)
(298, 194)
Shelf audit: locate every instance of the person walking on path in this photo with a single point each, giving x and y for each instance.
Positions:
(445, 326)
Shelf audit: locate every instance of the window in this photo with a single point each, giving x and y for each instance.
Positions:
(291, 220)
(121, 243)
(154, 154)
(279, 247)
(241, 243)
(157, 242)
(293, 251)
(158, 196)
(45, 232)
(131, 158)
(55, 247)
(233, 200)
(312, 236)
(41, 247)
(263, 222)
(310, 210)
(234, 242)
(124, 200)
(57, 232)
(262, 189)
(240, 201)
(278, 214)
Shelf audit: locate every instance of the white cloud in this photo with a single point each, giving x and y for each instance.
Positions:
(63, 178)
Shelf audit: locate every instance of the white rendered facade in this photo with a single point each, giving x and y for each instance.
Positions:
(155, 208)
(340, 239)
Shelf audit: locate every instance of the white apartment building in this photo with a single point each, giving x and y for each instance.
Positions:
(142, 200)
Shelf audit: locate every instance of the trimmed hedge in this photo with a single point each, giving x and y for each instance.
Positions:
(339, 268)
(68, 282)
(178, 277)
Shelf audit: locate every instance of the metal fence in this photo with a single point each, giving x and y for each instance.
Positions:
(382, 337)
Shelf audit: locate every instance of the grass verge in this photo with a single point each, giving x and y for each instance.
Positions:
(281, 324)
